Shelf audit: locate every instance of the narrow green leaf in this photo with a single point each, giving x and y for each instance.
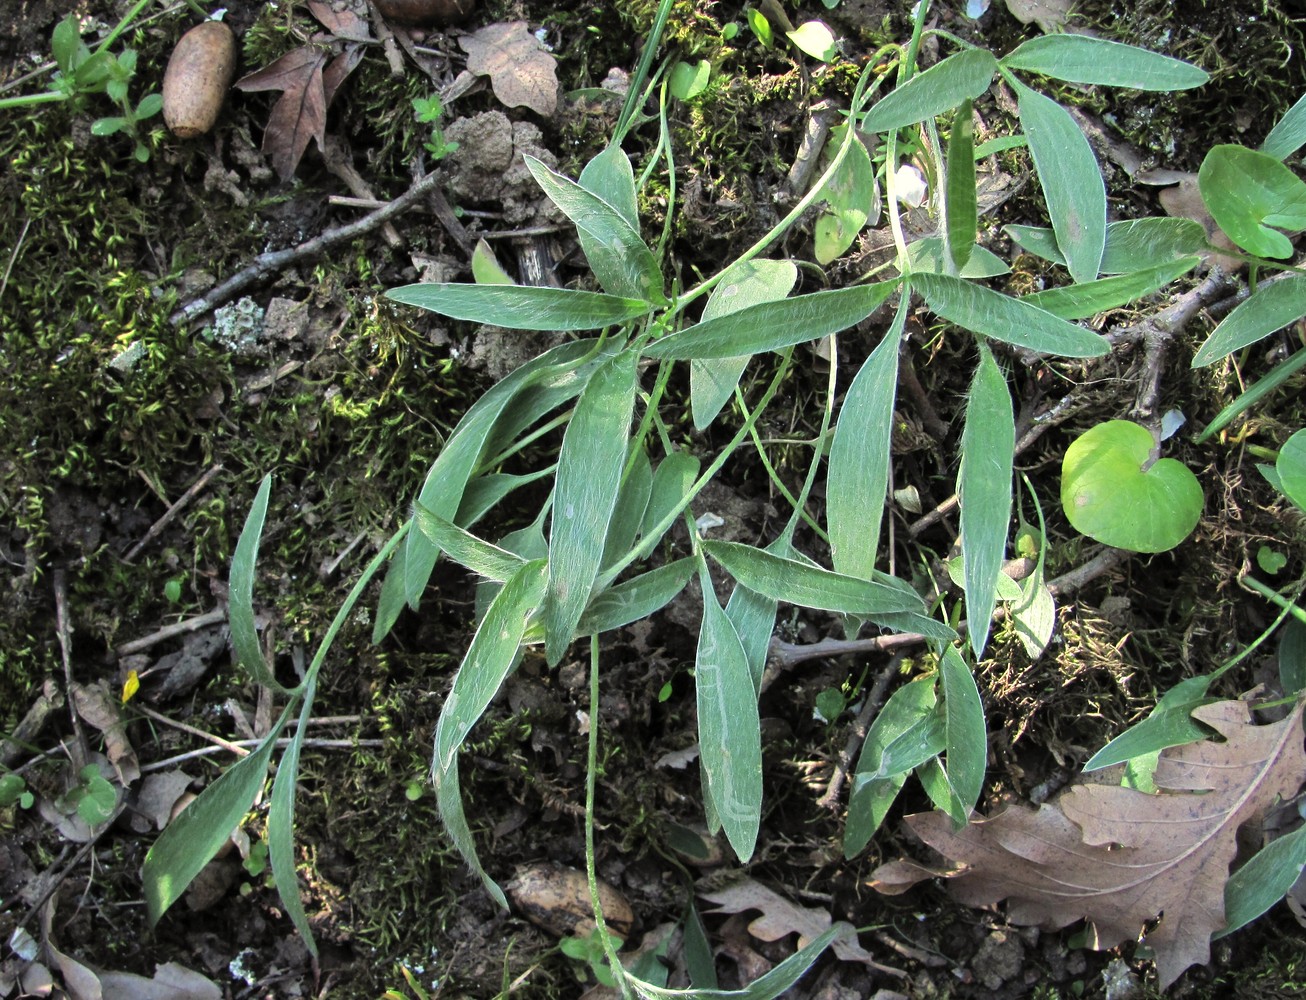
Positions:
(927, 254)
(753, 616)
(1131, 245)
(486, 269)
(585, 495)
(1247, 193)
(858, 479)
(1292, 656)
(1169, 725)
(925, 738)
(1279, 374)
(784, 975)
(940, 88)
(729, 729)
(466, 549)
(240, 594)
(1092, 297)
(522, 307)
(773, 325)
(807, 586)
(1001, 317)
(960, 209)
(1270, 308)
(938, 786)
(195, 836)
(484, 492)
(1083, 59)
(489, 660)
(968, 746)
(672, 480)
(700, 961)
(628, 515)
(621, 260)
(1288, 134)
(748, 283)
(988, 443)
(609, 176)
(1071, 181)
(870, 800)
(281, 824)
(1263, 881)
(636, 598)
(449, 802)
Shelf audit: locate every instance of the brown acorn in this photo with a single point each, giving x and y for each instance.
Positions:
(196, 81)
(558, 899)
(426, 13)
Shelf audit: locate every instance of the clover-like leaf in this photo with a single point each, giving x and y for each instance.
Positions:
(1114, 491)
(1248, 192)
(1292, 468)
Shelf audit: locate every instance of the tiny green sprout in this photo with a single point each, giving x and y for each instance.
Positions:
(589, 951)
(93, 797)
(429, 111)
(14, 791)
(1270, 560)
(730, 31)
(172, 590)
(256, 862)
(830, 704)
(761, 27)
(414, 790)
(664, 692)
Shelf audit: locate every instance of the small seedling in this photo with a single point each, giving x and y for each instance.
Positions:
(14, 791)
(589, 950)
(93, 798)
(429, 111)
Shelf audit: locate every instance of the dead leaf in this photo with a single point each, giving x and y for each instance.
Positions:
(1049, 15)
(1184, 201)
(343, 18)
(781, 918)
(100, 709)
(171, 982)
(1120, 858)
(521, 72)
(158, 794)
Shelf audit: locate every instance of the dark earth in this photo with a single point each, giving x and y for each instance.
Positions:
(114, 410)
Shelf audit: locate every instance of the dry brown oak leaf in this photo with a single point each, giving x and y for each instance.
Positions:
(1120, 858)
(521, 72)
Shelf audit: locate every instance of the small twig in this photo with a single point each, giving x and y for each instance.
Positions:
(266, 264)
(172, 512)
(64, 633)
(215, 617)
(81, 855)
(328, 569)
(821, 116)
(874, 699)
(452, 224)
(30, 726)
(13, 256)
(339, 162)
(217, 741)
(910, 951)
(242, 747)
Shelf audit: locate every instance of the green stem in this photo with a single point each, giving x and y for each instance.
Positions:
(634, 93)
(1288, 606)
(122, 25)
(49, 97)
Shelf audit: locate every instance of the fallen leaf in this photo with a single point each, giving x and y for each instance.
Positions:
(158, 794)
(101, 709)
(781, 918)
(1184, 201)
(1121, 858)
(343, 18)
(171, 982)
(1049, 15)
(521, 72)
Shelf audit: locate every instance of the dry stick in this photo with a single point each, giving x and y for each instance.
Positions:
(241, 747)
(64, 632)
(265, 264)
(215, 617)
(858, 733)
(172, 512)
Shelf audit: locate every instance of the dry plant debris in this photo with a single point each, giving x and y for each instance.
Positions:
(1121, 858)
(521, 72)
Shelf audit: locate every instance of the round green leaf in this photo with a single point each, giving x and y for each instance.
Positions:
(1292, 468)
(1112, 492)
(1247, 192)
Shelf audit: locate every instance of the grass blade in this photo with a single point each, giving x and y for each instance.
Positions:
(940, 88)
(773, 325)
(632, 503)
(1272, 307)
(636, 598)
(522, 307)
(466, 549)
(1288, 134)
(621, 259)
(199, 831)
(749, 283)
(858, 478)
(585, 495)
(1001, 317)
(808, 586)
(988, 444)
(960, 208)
(1081, 59)
(963, 713)
(1092, 297)
(240, 595)
(1071, 181)
(729, 729)
(281, 824)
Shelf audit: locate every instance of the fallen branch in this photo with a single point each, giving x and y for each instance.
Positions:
(172, 512)
(266, 264)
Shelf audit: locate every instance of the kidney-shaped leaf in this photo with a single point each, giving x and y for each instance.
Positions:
(1292, 468)
(1081, 59)
(1248, 192)
(1114, 493)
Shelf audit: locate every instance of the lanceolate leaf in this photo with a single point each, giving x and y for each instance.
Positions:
(522, 307)
(240, 604)
(729, 730)
(1082, 59)
(610, 177)
(191, 840)
(959, 205)
(632, 502)
(1131, 245)
(490, 658)
(940, 88)
(466, 549)
(1263, 881)
(281, 823)
(585, 495)
(858, 479)
(1271, 307)
(1071, 181)
(988, 444)
(968, 746)
(1001, 317)
(672, 481)
(1092, 297)
(711, 382)
(636, 598)
(622, 261)
(927, 254)
(773, 325)
(807, 586)
(1289, 134)
(449, 801)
